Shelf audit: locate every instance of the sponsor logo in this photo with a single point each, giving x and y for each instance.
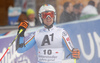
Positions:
(13, 57)
(64, 33)
(68, 39)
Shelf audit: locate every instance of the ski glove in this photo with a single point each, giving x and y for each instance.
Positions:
(23, 25)
(76, 53)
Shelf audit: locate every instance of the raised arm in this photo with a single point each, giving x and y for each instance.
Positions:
(22, 46)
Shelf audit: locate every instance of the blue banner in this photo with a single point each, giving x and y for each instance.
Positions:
(85, 36)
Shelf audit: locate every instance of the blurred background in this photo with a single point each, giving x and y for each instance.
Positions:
(80, 18)
(12, 12)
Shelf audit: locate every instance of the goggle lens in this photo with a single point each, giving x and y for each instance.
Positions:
(49, 13)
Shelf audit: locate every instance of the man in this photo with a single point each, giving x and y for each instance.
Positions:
(89, 11)
(50, 40)
(77, 8)
(98, 8)
(67, 14)
(32, 20)
(80, 7)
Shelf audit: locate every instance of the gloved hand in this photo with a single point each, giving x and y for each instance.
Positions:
(76, 53)
(23, 25)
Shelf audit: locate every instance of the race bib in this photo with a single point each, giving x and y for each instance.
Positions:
(50, 54)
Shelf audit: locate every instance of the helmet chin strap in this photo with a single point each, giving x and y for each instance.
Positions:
(48, 27)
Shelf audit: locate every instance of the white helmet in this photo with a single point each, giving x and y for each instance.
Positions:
(46, 7)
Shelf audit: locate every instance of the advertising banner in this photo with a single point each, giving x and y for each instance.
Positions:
(12, 56)
(13, 15)
(85, 36)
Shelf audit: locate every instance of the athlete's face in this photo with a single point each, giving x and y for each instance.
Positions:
(48, 17)
(48, 21)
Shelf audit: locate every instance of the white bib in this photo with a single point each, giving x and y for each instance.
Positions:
(50, 54)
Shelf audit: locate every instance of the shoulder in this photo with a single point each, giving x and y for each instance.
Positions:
(62, 30)
(35, 32)
(32, 35)
(40, 30)
(59, 29)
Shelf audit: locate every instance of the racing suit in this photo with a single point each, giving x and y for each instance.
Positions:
(51, 44)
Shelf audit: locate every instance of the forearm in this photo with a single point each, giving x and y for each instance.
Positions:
(20, 41)
(68, 46)
(22, 46)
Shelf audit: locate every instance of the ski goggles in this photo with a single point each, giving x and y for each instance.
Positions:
(47, 14)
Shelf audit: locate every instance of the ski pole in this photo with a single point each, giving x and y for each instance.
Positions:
(23, 25)
(11, 44)
(74, 60)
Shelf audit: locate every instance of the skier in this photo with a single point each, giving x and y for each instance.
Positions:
(51, 41)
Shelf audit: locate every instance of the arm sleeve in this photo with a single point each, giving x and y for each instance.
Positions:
(67, 41)
(22, 46)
